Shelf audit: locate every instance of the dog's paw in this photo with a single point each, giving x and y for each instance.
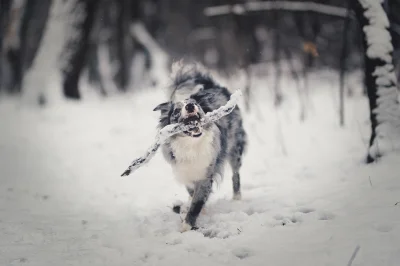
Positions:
(237, 196)
(177, 206)
(181, 208)
(176, 209)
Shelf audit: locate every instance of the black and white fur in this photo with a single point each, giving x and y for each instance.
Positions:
(198, 157)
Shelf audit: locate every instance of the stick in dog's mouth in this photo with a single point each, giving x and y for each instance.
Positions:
(194, 120)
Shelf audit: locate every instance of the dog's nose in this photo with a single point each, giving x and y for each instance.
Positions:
(189, 107)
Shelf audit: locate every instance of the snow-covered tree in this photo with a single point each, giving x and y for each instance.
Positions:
(37, 81)
(380, 78)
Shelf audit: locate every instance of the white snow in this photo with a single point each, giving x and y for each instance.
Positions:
(62, 201)
(378, 36)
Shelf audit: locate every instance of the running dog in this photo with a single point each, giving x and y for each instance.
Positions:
(198, 156)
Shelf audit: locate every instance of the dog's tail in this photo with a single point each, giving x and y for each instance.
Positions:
(187, 79)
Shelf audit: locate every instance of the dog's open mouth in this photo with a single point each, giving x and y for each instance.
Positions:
(194, 121)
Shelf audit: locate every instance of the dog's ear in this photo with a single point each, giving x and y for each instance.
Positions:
(163, 107)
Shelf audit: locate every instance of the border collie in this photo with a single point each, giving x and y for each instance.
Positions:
(198, 156)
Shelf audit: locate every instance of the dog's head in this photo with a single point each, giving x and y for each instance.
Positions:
(188, 112)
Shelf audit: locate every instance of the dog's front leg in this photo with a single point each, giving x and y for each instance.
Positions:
(202, 190)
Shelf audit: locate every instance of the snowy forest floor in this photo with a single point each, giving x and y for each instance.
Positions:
(308, 198)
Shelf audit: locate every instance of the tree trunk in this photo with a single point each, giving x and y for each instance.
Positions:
(94, 75)
(123, 52)
(309, 27)
(4, 15)
(248, 49)
(393, 7)
(13, 51)
(30, 35)
(19, 54)
(78, 48)
(35, 30)
(380, 79)
(295, 76)
(343, 56)
(278, 97)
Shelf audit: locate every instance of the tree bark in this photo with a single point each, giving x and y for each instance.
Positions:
(380, 81)
(79, 51)
(123, 51)
(30, 35)
(278, 97)
(4, 15)
(296, 77)
(13, 51)
(35, 30)
(343, 56)
(94, 75)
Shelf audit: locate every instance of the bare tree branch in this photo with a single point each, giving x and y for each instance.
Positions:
(275, 5)
(343, 57)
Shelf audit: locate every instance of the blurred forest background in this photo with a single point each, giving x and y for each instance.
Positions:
(121, 46)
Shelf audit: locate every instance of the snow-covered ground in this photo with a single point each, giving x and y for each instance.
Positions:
(308, 198)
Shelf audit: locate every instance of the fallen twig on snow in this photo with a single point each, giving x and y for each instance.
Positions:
(353, 256)
(170, 130)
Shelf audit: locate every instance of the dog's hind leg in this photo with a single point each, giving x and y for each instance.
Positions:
(235, 160)
(202, 190)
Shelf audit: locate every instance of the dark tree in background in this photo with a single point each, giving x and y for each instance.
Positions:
(5, 6)
(277, 44)
(77, 48)
(393, 10)
(123, 46)
(342, 68)
(12, 50)
(26, 37)
(226, 42)
(94, 75)
(32, 28)
(259, 37)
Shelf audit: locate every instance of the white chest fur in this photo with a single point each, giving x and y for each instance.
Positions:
(192, 157)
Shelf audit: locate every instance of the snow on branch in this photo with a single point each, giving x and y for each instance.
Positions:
(377, 34)
(173, 129)
(275, 5)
